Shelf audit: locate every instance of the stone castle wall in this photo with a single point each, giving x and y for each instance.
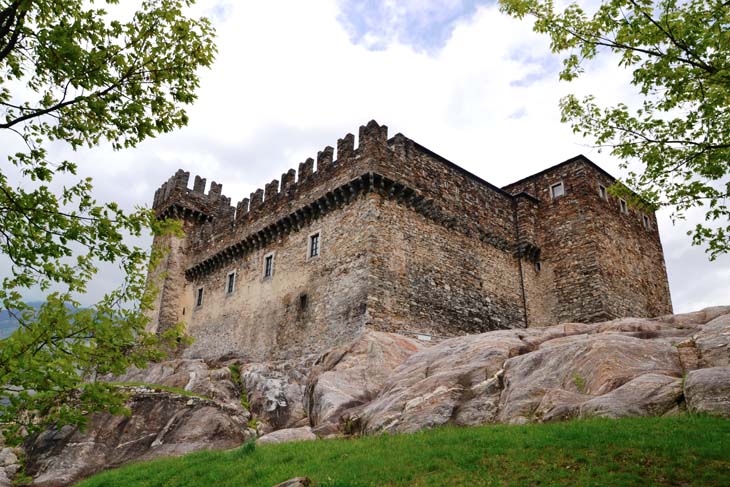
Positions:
(600, 263)
(410, 242)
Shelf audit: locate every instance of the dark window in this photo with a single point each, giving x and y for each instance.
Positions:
(556, 190)
(199, 298)
(602, 191)
(624, 207)
(538, 267)
(231, 283)
(647, 225)
(303, 302)
(269, 266)
(314, 245)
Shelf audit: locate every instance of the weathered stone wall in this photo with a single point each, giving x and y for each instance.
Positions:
(427, 278)
(265, 317)
(599, 264)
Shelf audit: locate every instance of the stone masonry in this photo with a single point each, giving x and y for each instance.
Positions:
(390, 236)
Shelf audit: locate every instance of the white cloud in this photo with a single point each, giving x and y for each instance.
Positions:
(289, 80)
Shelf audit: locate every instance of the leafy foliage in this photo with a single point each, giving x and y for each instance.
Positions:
(679, 52)
(71, 71)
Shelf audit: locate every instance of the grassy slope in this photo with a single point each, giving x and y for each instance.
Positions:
(643, 451)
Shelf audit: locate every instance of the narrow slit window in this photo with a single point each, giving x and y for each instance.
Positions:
(269, 266)
(557, 190)
(303, 302)
(602, 192)
(624, 207)
(314, 245)
(199, 297)
(231, 283)
(647, 224)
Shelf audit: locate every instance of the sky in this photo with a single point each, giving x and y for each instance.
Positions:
(459, 77)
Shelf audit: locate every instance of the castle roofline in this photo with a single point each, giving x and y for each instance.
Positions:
(452, 165)
(579, 157)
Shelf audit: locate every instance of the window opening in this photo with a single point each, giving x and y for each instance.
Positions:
(303, 302)
(557, 190)
(314, 245)
(231, 283)
(602, 191)
(624, 207)
(269, 266)
(647, 225)
(538, 266)
(199, 298)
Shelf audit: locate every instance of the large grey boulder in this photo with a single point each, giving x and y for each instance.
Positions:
(351, 376)
(708, 391)
(9, 466)
(161, 424)
(456, 381)
(626, 367)
(295, 482)
(274, 392)
(286, 435)
(713, 342)
(646, 395)
(593, 365)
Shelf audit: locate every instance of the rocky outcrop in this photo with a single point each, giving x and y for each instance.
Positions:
(708, 391)
(176, 407)
(274, 393)
(627, 367)
(196, 376)
(9, 466)
(287, 435)
(384, 382)
(347, 377)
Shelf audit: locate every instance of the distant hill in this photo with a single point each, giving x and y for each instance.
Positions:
(8, 324)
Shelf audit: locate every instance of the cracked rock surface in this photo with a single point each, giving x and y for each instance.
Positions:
(384, 382)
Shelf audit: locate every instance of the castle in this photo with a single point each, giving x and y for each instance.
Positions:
(393, 237)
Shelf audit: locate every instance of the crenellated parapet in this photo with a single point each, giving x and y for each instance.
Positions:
(174, 199)
(312, 172)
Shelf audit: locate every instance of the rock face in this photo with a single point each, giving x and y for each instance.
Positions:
(162, 423)
(287, 435)
(195, 376)
(348, 377)
(627, 367)
(9, 466)
(384, 382)
(274, 392)
(708, 391)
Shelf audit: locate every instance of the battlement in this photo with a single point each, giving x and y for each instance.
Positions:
(175, 199)
(373, 138)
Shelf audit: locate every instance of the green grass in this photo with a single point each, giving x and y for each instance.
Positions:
(680, 451)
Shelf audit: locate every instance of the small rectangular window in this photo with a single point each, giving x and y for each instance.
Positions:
(647, 223)
(624, 207)
(602, 192)
(199, 297)
(314, 245)
(231, 283)
(269, 265)
(557, 190)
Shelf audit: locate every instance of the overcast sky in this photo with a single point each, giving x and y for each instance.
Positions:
(458, 77)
